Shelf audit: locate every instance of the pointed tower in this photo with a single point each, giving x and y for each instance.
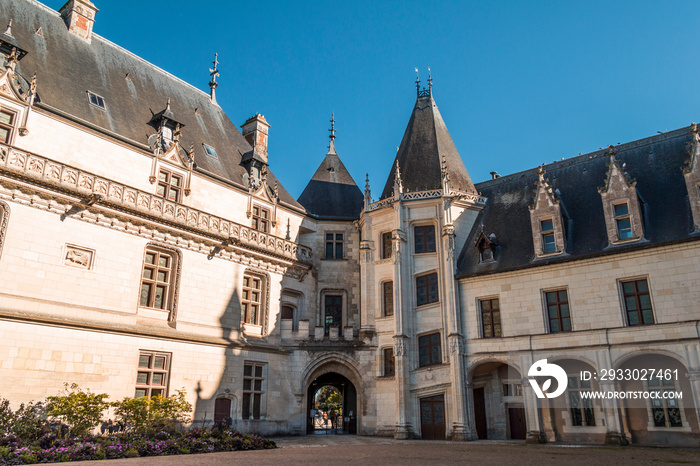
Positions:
(425, 144)
(332, 193)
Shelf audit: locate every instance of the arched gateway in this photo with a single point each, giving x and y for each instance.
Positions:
(343, 376)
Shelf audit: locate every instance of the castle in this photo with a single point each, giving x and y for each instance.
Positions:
(146, 246)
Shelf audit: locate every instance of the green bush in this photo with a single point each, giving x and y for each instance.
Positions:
(27, 423)
(81, 410)
(155, 413)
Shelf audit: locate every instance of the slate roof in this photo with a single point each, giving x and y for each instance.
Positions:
(654, 162)
(332, 193)
(134, 90)
(420, 154)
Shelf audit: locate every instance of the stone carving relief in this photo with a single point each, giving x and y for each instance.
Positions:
(78, 257)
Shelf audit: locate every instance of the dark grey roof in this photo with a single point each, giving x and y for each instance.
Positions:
(134, 90)
(332, 193)
(654, 162)
(420, 155)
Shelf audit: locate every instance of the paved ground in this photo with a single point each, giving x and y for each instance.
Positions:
(347, 449)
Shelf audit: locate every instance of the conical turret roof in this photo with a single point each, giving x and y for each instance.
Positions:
(332, 193)
(424, 144)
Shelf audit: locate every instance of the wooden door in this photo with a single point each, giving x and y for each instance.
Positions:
(518, 428)
(432, 417)
(222, 409)
(480, 413)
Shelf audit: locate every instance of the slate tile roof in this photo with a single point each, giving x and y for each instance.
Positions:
(654, 162)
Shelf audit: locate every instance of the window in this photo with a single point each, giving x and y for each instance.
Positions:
(287, 313)
(623, 222)
(96, 100)
(429, 350)
(490, 318)
(582, 413)
(486, 255)
(425, 239)
(386, 245)
(558, 311)
(388, 295)
(261, 219)
(388, 362)
(637, 302)
(665, 411)
(167, 133)
(169, 185)
(152, 375)
(427, 289)
(547, 232)
(209, 150)
(252, 389)
(7, 122)
(157, 279)
(334, 245)
(333, 312)
(252, 302)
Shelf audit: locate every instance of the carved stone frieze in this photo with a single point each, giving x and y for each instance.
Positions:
(77, 182)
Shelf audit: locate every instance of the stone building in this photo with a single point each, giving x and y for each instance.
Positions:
(146, 246)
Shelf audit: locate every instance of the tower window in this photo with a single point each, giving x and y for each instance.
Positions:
(334, 245)
(425, 239)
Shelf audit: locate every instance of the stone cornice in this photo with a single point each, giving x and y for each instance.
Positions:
(432, 194)
(43, 183)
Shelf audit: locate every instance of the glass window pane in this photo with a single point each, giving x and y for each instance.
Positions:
(633, 318)
(161, 190)
(256, 406)
(554, 325)
(148, 274)
(157, 379)
(339, 250)
(497, 330)
(162, 176)
(258, 371)
(642, 285)
(645, 301)
(564, 310)
(339, 237)
(5, 118)
(144, 360)
(172, 194)
(329, 236)
(496, 317)
(175, 181)
(486, 318)
(247, 383)
(162, 277)
(246, 406)
(621, 209)
(553, 314)
(647, 317)
(150, 258)
(628, 287)
(562, 295)
(488, 330)
(566, 324)
(159, 299)
(140, 393)
(258, 385)
(145, 293)
(546, 225)
(551, 297)
(485, 305)
(163, 261)
(142, 378)
(631, 303)
(247, 370)
(159, 362)
(424, 356)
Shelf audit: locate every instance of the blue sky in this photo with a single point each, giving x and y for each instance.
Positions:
(518, 83)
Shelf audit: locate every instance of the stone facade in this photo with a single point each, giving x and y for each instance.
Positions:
(183, 246)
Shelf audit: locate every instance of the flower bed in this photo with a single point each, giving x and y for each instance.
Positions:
(50, 448)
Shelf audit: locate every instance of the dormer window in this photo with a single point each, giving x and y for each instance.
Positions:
(622, 221)
(549, 243)
(167, 133)
(96, 100)
(486, 246)
(169, 185)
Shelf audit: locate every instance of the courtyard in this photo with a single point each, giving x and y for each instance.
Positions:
(350, 449)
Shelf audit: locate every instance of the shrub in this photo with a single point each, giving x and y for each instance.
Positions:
(27, 423)
(81, 410)
(155, 413)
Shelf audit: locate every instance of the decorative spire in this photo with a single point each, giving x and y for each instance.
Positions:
(445, 176)
(417, 83)
(430, 82)
(368, 193)
(214, 72)
(331, 138)
(398, 186)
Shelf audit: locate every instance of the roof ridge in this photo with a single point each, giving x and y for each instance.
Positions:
(582, 158)
(45, 7)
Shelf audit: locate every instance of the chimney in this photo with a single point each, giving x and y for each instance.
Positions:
(255, 132)
(495, 175)
(79, 16)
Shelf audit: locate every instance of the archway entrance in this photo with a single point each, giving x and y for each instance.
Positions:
(335, 396)
(497, 393)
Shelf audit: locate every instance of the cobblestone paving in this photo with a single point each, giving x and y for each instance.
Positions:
(347, 449)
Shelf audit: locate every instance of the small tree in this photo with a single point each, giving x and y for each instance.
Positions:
(81, 410)
(27, 423)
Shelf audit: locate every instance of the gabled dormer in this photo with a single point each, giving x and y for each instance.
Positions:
(621, 205)
(486, 246)
(168, 129)
(546, 219)
(691, 173)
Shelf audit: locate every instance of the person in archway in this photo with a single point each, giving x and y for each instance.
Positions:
(325, 419)
(334, 418)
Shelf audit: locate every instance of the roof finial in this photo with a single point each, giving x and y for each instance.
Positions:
(430, 82)
(214, 72)
(8, 31)
(332, 130)
(417, 82)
